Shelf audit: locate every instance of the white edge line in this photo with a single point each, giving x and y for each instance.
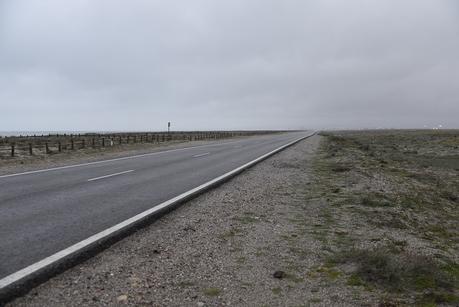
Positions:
(111, 175)
(201, 155)
(55, 258)
(115, 159)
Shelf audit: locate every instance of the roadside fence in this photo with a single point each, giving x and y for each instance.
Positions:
(30, 145)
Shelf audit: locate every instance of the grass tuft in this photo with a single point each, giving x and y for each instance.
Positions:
(212, 291)
(400, 273)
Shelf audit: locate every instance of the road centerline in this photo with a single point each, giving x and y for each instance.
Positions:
(201, 155)
(110, 175)
(116, 159)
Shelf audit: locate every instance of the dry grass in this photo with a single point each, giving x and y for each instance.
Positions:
(395, 193)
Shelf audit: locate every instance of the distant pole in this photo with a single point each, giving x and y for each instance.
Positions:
(168, 127)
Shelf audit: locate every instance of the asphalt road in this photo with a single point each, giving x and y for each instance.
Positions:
(42, 213)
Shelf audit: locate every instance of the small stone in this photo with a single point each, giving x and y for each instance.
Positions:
(122, 298)
(200, 304)
(279, 274)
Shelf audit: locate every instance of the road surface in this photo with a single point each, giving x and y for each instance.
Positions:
(44, 212)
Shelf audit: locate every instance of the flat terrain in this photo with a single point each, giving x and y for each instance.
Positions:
(343, 219)
(390, 224)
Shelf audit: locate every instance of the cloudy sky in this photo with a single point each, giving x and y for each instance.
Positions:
(228, 64)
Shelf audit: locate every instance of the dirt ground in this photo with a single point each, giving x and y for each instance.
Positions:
(395, 195)
(342, 219)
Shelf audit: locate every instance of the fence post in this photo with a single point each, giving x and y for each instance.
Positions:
(46, 148)
(12, 150)
(83, 143)
(30, 149)
(103, 142)
(93, 142)
(72, 144)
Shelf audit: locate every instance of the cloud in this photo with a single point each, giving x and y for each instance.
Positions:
(117, 65)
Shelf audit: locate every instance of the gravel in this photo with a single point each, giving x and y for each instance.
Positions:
(226, 247)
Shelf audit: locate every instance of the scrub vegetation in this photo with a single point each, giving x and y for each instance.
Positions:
(396, 195)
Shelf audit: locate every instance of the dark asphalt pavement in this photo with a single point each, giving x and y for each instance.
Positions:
(45, 212)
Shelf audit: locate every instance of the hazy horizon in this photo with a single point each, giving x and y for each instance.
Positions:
(228, 65)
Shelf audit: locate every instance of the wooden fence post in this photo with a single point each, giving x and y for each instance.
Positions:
(30, 149)
(93, 142)
(83, 143)
(72, 144)
(103, 142)
(12, 150)
(59, 146)
(46, 148)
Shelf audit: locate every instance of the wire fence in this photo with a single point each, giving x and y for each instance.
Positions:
(30, 145)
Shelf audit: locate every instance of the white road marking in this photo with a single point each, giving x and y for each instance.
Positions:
(61, 255)
(111, 175)
(116, 159)
(201, 155)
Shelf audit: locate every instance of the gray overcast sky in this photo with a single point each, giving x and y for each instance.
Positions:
(228, 64)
